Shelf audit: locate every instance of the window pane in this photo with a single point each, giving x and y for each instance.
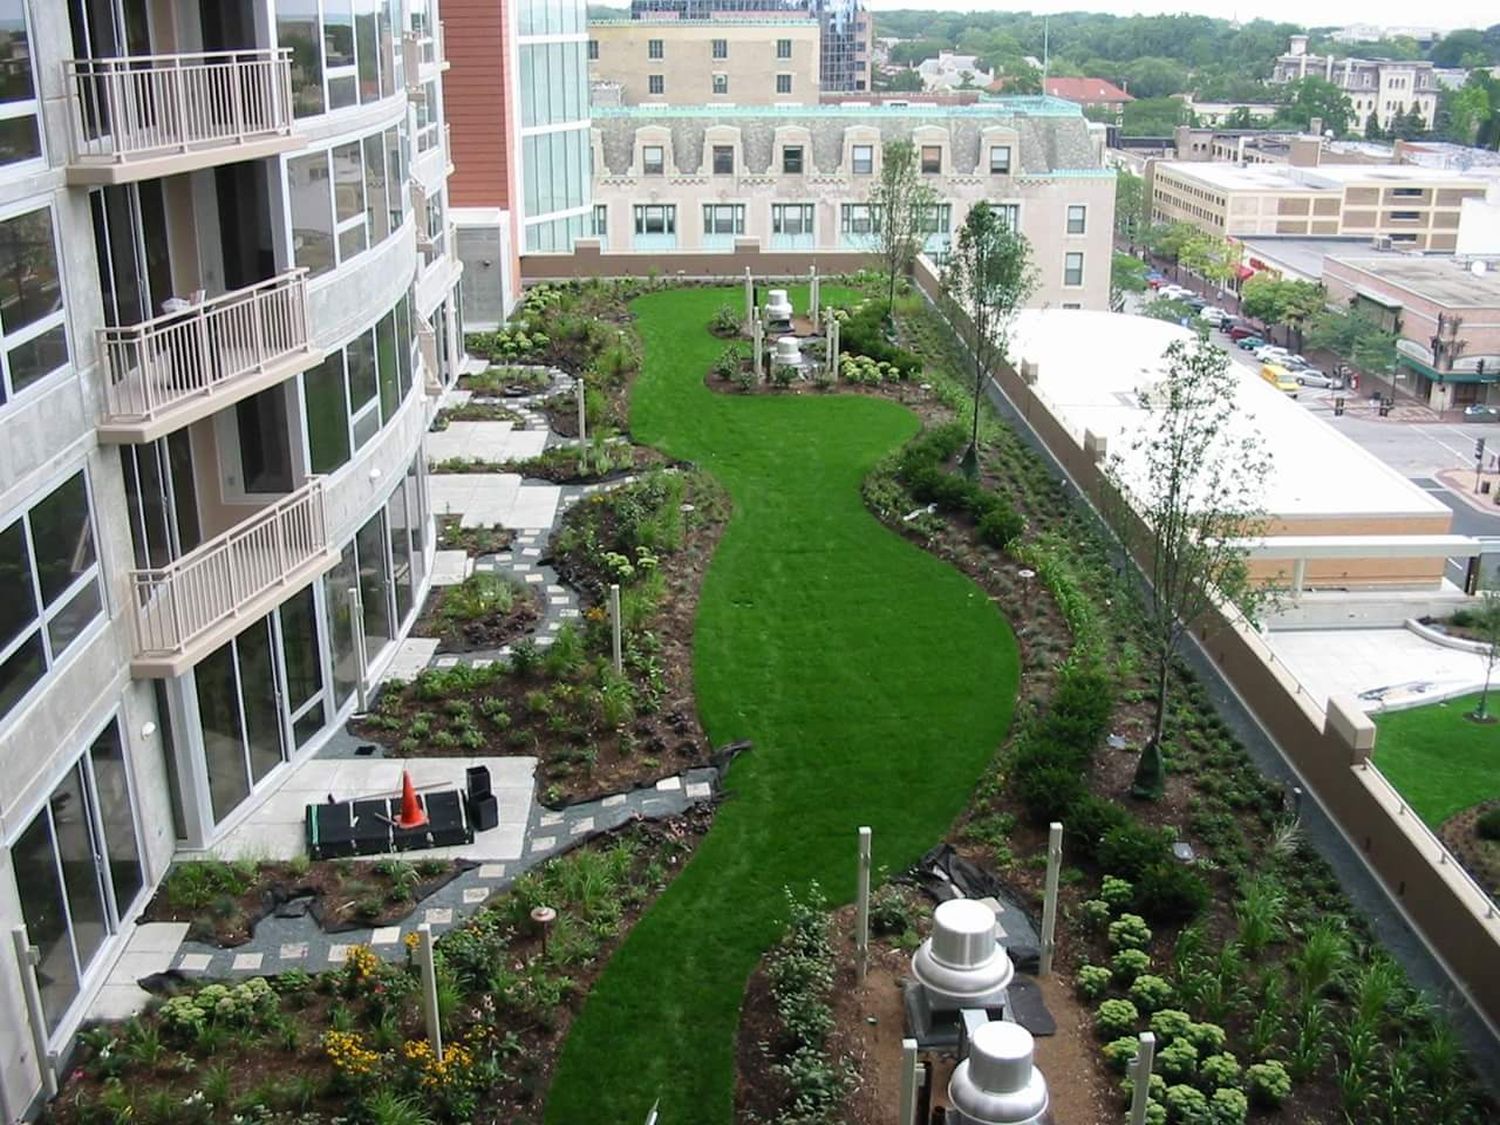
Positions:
(19, 139)
(73, 618)
(338, 32)
(349, 198)
(393, 175)
(116, 822)
(20, 672)
(260, 699)
(385, 350)
(219, 716)
(75, 850)
(374, 586)
(403, 346)
(15, 75)
(327, 414)
(29, 285)
(401, 569)
(62, 537)
(361, 352)
(337, 585)
(18, 607)
(41, 897)
(297, 28)
(312, 212)
(366, 426)
(377, 210)
(38, 357)
(299, 645)
(309, 725)
(366, 45)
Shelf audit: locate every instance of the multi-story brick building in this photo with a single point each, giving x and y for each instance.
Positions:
(226, 287)
(678, 182)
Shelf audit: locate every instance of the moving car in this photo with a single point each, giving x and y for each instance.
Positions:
(1271, 353)
(1280, 378)
(1155, 279)
(1250, 343)
(1481, 412)
(1312, 377)
(1212, 314)
(1241, 330)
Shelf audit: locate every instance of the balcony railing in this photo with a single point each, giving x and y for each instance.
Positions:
(197, 355)
(230, 577)
(139, 107)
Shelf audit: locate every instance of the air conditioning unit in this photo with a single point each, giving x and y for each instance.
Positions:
(1381, 242)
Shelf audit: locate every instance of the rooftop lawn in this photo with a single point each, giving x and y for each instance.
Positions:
(875, 681)
(1440, 761)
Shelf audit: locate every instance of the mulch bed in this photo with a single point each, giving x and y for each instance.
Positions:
(342, 893)
(1479, 857)
(484, 634)
(451, 536)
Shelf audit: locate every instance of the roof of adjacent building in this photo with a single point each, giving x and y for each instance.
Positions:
(1304, 256)
(1325, 177)
(1442, 280)
(1086, 90)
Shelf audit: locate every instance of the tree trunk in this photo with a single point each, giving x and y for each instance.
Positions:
(1481, 712)
(1150, 773)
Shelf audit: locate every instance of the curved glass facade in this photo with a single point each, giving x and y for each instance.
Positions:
(556, 158)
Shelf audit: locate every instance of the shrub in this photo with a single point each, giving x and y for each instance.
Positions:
(1228, 1107)
(1157, 1089)
(1178, 1059)
(1269, 1083)
(1089, 820)
(1187, 1105)
(1150, 993)
(1092, 981)
(1131, 849)
(1488, 825)
(999, 528)
(1222, 1069)
(890, 913)
(1207, 1037)
(1115, 1018)
(863, 333)
(1129, 931)
(1170, 1023)
(726, 321)
(1129, 964)
(1116, 892)
(1120, 1053)
(1170, 893)
(732, 361)
(1094, 914)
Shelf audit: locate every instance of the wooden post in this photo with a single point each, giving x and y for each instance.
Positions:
(906, 1113)
(429, 990)
(614, 624)
(36, 1019)
(1140, 1078)
(1049, 903)
(862, 912)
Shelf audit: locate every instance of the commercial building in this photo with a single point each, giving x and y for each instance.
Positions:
(1445, 312)
(227, 286)
(678, 182)
(707, 62)
(1381, 88)
(1414, 208)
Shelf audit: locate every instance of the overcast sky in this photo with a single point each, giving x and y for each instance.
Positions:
(1318, 13)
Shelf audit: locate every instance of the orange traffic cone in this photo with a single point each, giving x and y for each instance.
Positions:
(412, 814)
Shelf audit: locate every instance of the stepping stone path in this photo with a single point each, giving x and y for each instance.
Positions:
(281, 944)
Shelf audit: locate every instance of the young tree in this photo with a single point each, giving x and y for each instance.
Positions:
(1191, 484)
(987, 278)
(1167, 240)
(1487, 625)
(1127, 274)
(1214, 258)
(902, 200)
(1130, 206)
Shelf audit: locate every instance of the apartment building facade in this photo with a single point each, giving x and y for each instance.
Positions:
(707, 62)
(1405, 206)
(1379, 88)
(1445, 313)
(679, 182)
(227, 284)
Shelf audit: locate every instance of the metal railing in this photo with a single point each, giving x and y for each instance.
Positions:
(175, 605)
(139, 106)
(202, 349)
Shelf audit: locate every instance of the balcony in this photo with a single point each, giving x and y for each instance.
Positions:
(184, 365)
(184, 611)
(142, 116)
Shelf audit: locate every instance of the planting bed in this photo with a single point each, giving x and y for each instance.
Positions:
(481, 613)
(350, 1045)
(452, 536)
(222, 902)
(1471, 846)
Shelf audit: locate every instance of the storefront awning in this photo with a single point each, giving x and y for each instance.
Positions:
(1245, 272)
(1446, 376)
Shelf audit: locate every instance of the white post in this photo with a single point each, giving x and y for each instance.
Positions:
(749, 297)
(862, 915)
(583, 422)
(1049, 903)
(1140, 1078)
(812, 303)
(428, 973)
(906, 1114)
(757, 334)
(361, 663)
(614, 623)
(26, 959)
(831, 344)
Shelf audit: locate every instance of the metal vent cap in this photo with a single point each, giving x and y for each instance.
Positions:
(997, 1084)
(961, 960)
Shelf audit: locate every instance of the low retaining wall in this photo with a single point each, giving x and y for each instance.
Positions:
(588, 260)
(1454, 916)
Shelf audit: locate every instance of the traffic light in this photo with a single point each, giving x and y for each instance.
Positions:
(1479, 450)
(1338, 407)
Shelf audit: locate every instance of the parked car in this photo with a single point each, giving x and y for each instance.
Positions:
(1481, 412)
(1212, 314)
(1280, 378)
(1242, 330)
(1174, 292)
(1271, 353)
(1155, 279)
(1312, 377)
(1292, 361)
(1197, 304)
(1250, 343)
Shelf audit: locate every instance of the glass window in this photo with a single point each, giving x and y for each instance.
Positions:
(33, 333)
(312, 212)
(299, 647)
(653, 160)
(593, 50)
(860, 218)
(1009, 213)
(338, 53)
(723, 218)
(721, 48)
(999, 160)
(932, 159)
(374, 585)
(721, 83)
(783, 83)
(791, 160)
(377, 207)
(1077, 218)
(44, 908)
(783, 48)
(363, 382)
(403, 347)
(349, 199)
(116, 817)
(723, 160)
(401, 564)
(654, 49)
(20, 139)
(297, 27)
(601, 220)
(791, 218)
(260, 699)
(655, 84)
(863, 159)
(1073, 268)
(936, 219)
(656, 218)
(327, 412)
(340, 592)
(385, 354)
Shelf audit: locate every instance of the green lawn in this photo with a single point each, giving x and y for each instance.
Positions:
(875, 681)
(1439, 760)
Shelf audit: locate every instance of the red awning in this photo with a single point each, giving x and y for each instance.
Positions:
(1245, 271)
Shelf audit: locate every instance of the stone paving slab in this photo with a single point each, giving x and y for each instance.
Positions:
(449, 568)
